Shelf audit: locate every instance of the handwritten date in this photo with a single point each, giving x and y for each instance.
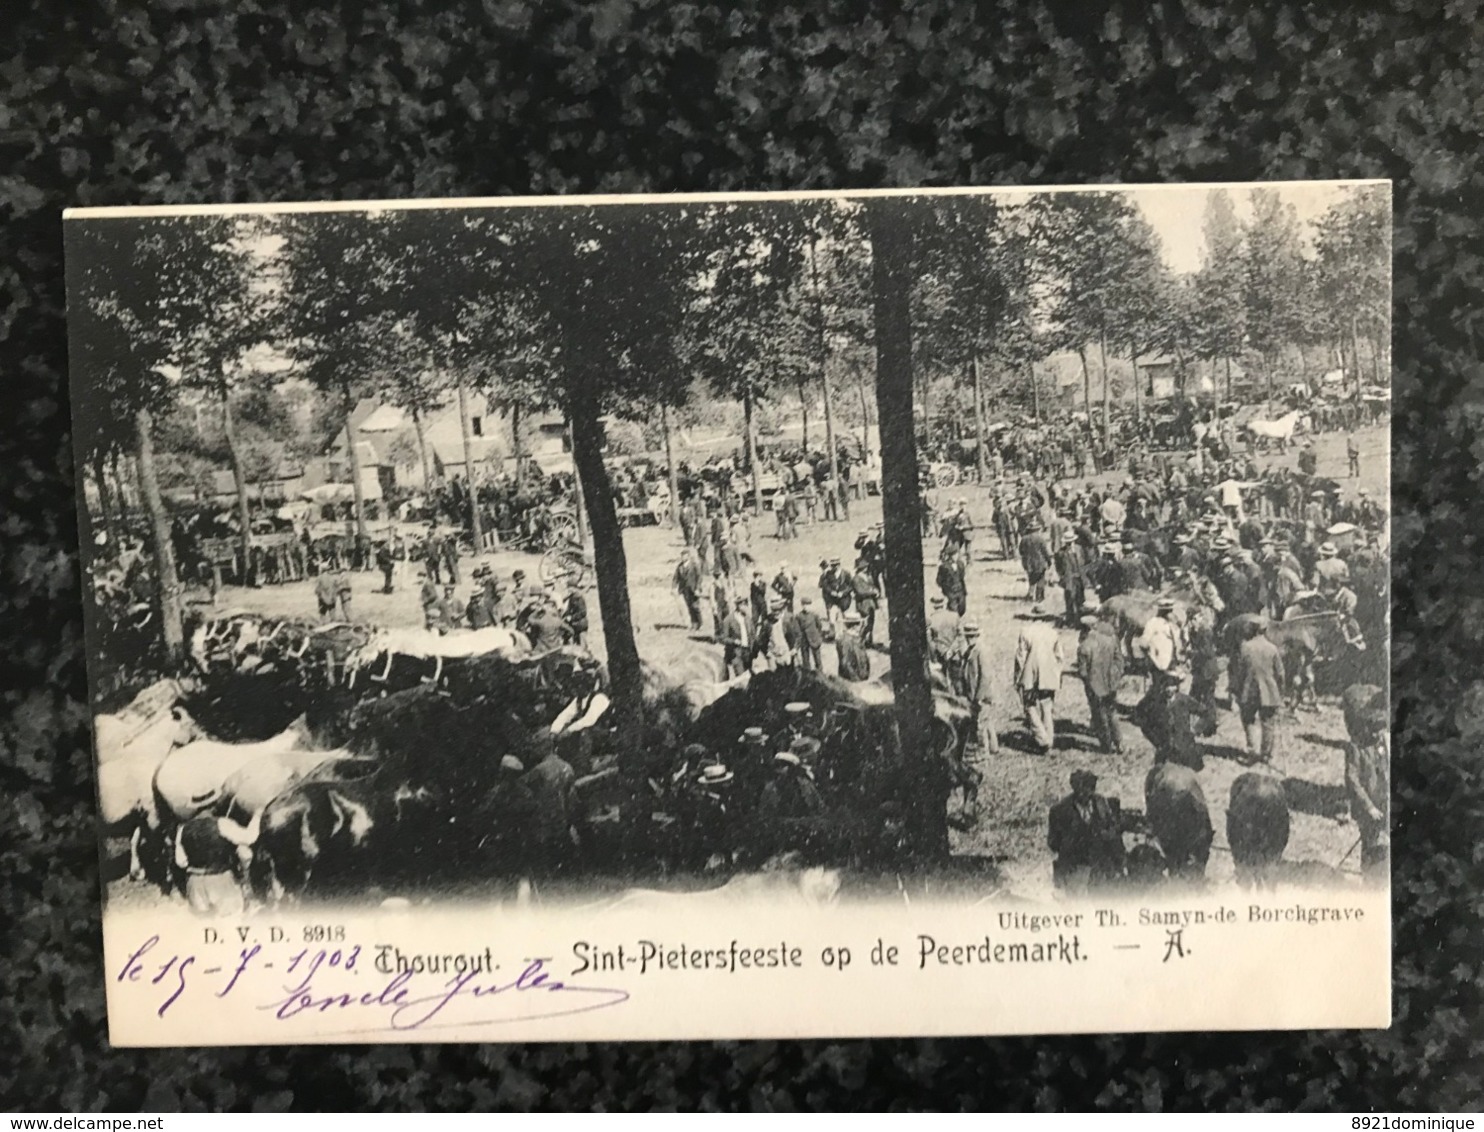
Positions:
(324, 981)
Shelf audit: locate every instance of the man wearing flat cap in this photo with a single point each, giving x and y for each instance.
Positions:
(974, 675)
(1100, 665)
(854, 662)
(1085, 831)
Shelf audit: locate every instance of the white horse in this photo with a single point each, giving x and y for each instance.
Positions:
(1281, 430)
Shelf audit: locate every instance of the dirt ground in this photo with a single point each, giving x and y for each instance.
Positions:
(1018, 787)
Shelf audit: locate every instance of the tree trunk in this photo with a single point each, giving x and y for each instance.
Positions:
(1107, 386)
(927, 416)
(121, 487)
(422, 449)
(670, 472)
(752, 468)
(804, 412)
(239, 481)
(824, 369)
(860, 386)
(1228, 379)
(1355, 356)
(1035, 390)
(579, 511)
(357, 491)
(981, 440)
(517, 446)
(167, 584)
(1267, 371)
(105, 502)
(625, 674)
(1138, 389)
(1303, 361)
(476, 523)
(1086, 385)
(891, 272)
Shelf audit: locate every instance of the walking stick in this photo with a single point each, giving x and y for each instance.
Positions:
(1341, 863)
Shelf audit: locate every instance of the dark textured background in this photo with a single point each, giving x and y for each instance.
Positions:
(188, 101)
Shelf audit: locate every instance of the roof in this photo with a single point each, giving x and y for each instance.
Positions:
(451, 452)
(384, 418)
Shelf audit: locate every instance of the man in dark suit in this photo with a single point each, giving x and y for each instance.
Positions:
(1035, 557)
(1100, 664)
(838, 589)
(1257, 686)
(952, 583)
(810, 633)
(1085, 831)
(738, 638)
(867, 597)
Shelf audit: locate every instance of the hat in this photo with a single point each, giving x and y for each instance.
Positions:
(1165, 603)
(744, 600)
(806, 600)
(971, 627)
(937, 599)
(877, 526)
(787, 757)
(694, 751)
(1091, 601)
(796, 707)
(963, 502)
(753, 735)
(1081, 776)
(1090, 620)
(1221, 543)
(804, 746)
(852, 618)
(1038, 610)
(714, 774)
(1363, 491)
(1328, 550)
(834, 562)
(512, 764)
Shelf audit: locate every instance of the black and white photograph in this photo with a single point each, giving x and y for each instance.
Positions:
(1018, 550)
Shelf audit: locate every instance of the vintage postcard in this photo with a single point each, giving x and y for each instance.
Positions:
(826, 614)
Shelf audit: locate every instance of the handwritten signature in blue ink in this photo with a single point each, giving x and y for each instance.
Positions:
(403, 1002)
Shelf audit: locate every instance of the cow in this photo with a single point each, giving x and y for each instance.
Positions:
(130, 751)
(1175, 806)
(385, 646)
(194, 777)
(1257, 827)
(418, 800)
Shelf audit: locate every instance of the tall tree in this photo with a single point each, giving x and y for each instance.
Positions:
(1221, 284)
(123, 322)
(1353, 250)
(890, 222)
(751, 332)
(336, 270)
(1087, 247)
(1274, 280)
(608, 290)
